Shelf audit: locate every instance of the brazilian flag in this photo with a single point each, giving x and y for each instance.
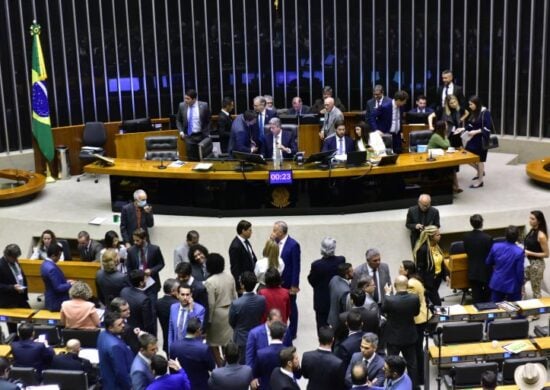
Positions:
(41, 125)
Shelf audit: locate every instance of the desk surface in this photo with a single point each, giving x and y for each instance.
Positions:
(18, 313)
(5, 350)
(472, 351)
(46, 315)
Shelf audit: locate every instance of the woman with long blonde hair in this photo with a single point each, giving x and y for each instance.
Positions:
(270, 259)
(430, 266)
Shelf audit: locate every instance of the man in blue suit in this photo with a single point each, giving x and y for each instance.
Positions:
(422, 105)
(373, 362)
(233, 376)
(165, 380)
(140, 372)
(396, 377)
(246, 312)
(194, 355)
(268, 357)
(387, 118)
(377, 100)
(339, 142)
(56, 286)
(29, 353)
(289, 251)
(241, 138)
(264, 115)
(278, 141)
(181, 313)
(352, 343)
(258, 337)
(115, 357)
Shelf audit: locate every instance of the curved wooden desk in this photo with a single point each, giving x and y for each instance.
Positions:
(539, 170)
(34, 183)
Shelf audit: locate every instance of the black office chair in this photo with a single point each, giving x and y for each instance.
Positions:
(27, 375)
(467, 375)
(293, 129)
(87, 337)
(206, 148)
(161, 148)
(455, 333)
(419, 137)
(51, 333)
(509, 367)
(66, 379)
(93, 141)
(508, 329)
(456, 248)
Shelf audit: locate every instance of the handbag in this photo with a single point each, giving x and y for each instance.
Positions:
(490, 142)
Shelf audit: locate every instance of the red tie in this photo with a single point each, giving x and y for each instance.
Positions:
(143, 258)
(138, 216)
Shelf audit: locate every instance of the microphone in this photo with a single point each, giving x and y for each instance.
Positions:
(161, 166)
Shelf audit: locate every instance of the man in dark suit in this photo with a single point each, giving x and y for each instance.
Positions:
(5, 382)
(421, 105)
(400, 331)
(163, 379)
(109, 281)
(194, 356)
(148, 258)
(352, 343)
(278, 141)
(72, 362)
(90, 250)
(359, 377)
(29, 353)
(233, 375)
(56, 286)
(448, 87)
(477, 245)
(129, 334)
(264, 115)
(141, 308)
(258, 337)
(324, 370)
(421, 215)
(115, 357)
(13, 282)
(140, 371)
(267, 358)
(369, 316)
(283, 377)
(182, 312)
(380, 273)
(241, 255)
(163, 305)
(338, 292)
(373, 363)
(193, 121)
(225, 121)
(289, 251)
(137, 214)
(241, 138)
(319, 105)
(340, 142)
(387, 118)
(185, 276)
(298, 108)
(246, 312)
(377, 100)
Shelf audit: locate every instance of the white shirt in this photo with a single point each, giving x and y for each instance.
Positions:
(276, 151)
(340, 146)
(395, 120)
(195, 119)
(261, 268)
(449, 90)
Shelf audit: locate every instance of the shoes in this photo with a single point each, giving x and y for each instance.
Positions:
(457, 190)
(476, 185)
(477, 177)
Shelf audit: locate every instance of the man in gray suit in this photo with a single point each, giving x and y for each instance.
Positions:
(339, 289)
(373, 362)
(193, 121)
(233, 375)
(90, 250)
(246, 312)
(182, 251)
(332, 115)
(380, 273)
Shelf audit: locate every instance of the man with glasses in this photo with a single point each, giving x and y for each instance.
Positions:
(421, 215)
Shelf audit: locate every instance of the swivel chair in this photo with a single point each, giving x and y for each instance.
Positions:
(161, 148)
(420, 137)
(94, 138)
(66, 379)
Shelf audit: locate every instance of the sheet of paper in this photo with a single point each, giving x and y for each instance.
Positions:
(96, 221)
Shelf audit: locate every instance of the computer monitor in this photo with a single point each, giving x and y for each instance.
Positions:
(309, 119)
(136, 125)
(417, 117)
(320, 157)
(247, 161)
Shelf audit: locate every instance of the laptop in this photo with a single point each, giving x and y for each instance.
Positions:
(356, 158)
(388, 160)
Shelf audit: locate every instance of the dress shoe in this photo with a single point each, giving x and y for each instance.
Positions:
(476, 185)
(457, 190)
(477, 177)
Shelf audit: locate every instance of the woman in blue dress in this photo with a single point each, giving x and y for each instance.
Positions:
(479, 126)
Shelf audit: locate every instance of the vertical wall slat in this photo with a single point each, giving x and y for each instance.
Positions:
(13, 78)
(491, 45)
(77, 55)
(285, 69)
(207, 45)
(54, 116)
(478, 29)
(196, 69)
(543, 69)
(387, 47)
(233, 57)
(169, 54)
(504, 59)
(258, 48)
(245, 54)
(310, 52)
(530, 73)
(130, 62)
(155, 48)
(91, 55)
(220, 52)
(464, 47)
(518, 57)
(119, 92)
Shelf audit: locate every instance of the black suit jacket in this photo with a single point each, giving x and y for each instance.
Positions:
(477, 245)
(400, 310)
(415, 215)
(305, 110)
(457, 91)
(324, 370)
(370, 318)
(155, 262)
(181, 122)
(141, 310)
(128, 221)
(280, 381)
(163, 314)
(348, 347)
(109, 285)
(91, 254)
(71, 362)
(9, 297)
(319, 277)
(240, 259)
(224, 129)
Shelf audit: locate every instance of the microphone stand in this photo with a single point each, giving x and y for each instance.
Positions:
(161, 166)
(439, 341)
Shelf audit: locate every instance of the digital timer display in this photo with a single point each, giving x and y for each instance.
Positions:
(280, 177)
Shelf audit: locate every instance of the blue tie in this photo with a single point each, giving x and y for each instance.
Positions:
(341, 146)
(190, 120)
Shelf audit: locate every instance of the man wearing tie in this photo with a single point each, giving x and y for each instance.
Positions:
(241, 255)
(448, 87)
(332, 115)
(380, 273)
(387, 118)
(341, 142)
(181, 312)
(377, 100)
(422, 105)
(193, 121)
(279, 144)
(264, 116)
(137, 214)
(13, 283)
(298, 108)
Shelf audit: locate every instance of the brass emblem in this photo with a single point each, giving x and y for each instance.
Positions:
(280, 197)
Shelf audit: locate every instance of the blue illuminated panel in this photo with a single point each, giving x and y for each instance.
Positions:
(280, 177)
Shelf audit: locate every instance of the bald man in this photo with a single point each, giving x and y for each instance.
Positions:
(400, 331)
(332, 115)
(423, 214)
(71, 361)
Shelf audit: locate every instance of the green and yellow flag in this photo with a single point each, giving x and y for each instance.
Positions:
(41, 125)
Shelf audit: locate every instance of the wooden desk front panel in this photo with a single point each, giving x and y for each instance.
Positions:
(132, 145)
(458, 268)
(76, 270)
